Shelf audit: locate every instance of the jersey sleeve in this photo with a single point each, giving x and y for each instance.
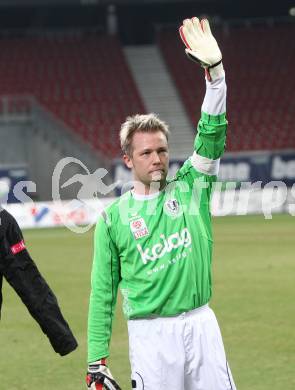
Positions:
(210, 140)
(200, 170)
(105, 277)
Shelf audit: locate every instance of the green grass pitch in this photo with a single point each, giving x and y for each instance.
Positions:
(253, 298)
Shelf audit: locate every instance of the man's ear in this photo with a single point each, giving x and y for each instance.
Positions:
(128, 161)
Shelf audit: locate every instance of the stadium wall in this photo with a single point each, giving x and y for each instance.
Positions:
(13, 141)
(32, 142)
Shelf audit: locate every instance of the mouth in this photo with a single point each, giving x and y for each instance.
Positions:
(157, 171)
(157, 174)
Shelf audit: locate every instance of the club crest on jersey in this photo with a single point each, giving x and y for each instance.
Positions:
(138, 228)
(172, 207)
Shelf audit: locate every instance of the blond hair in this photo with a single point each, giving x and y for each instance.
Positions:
(145, 123)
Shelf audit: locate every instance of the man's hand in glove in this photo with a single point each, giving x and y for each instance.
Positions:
(99, 377)
(202, 47)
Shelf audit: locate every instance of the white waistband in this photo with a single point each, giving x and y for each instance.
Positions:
(182, 315)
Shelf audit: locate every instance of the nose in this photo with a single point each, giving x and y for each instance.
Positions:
(156, 158)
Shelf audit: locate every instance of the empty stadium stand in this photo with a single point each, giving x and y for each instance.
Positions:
(84, 81)
(260, 62)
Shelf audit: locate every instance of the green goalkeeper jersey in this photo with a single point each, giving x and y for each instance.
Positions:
(157, 249)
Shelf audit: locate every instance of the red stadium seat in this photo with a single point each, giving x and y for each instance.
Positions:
(260, 75)
(84, 81)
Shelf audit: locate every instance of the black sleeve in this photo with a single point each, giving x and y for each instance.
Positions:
(22, 274)
(1, 277)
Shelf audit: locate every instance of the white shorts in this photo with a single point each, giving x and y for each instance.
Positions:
(184, 352)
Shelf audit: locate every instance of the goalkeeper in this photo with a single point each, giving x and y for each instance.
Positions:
(155, 244)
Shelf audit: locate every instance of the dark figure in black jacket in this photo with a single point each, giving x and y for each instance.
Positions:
(22, 274)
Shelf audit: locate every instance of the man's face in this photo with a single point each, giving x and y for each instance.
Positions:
(150, 157)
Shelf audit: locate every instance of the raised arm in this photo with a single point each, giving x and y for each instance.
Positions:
(202, 48)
